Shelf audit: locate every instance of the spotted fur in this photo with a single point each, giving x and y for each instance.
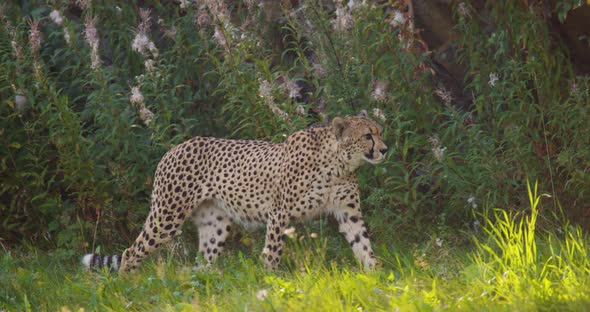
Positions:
(219, 182)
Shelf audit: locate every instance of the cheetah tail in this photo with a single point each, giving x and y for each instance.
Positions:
(97, 261)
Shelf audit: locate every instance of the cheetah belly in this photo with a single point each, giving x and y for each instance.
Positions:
(239, 214)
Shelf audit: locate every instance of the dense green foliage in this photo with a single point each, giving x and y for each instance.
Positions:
(76, 153)
(79, 149)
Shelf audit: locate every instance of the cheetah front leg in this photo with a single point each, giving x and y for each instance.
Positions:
(346, 210)
(273, 245)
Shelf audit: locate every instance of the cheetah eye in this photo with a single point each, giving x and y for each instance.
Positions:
(368, 136)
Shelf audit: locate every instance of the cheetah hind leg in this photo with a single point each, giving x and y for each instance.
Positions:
(152, 236)
(213, 225)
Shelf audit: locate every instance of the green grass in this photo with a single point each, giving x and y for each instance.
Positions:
(511, 266)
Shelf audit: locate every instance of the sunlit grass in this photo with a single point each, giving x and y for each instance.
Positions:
(517, 263)
(512, 266)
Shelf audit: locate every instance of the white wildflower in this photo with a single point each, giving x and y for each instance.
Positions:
(146, 20)
(184, 4)
(140, 43)
(67, 37)
(290, 232)
(438, 242)
(343, 21)
(379, 114)
(137, 100)
(444, 95)
(398, 19)
(149, 65)
(171, 32)
(439, 153)
(279, 112)
(219, 36)
(300, 110)
(471, 201)
(91, 36)
(265, 92)
(434, 140)
(291, 88)
(140, 78)
(403, 41)
(95, 59)
(90, 33)
(153, 49)
(313, 235)
(218, 8)
(350, 4)
(16, 49)
(35, 37)
(380, 91)
(146, 116)
(202, 19)
(20, 101)
(463, 10)
(261, 294)
(436, 148)
(493, 79)
(56, 17)
(136, 97)
(83, 4)
(574, 89)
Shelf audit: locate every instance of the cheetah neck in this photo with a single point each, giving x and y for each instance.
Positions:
(338, 162)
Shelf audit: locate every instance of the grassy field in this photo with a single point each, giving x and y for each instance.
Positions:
(510, 265)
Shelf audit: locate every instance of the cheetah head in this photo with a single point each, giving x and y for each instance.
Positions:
(360, 139)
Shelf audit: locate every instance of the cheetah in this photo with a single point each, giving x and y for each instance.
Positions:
(219, 182)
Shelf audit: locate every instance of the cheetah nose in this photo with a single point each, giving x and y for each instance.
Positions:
(384, 151)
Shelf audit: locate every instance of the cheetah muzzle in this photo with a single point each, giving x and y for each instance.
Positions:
(219, 182)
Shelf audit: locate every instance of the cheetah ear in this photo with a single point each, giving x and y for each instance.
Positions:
(363, 113)
(338, 126)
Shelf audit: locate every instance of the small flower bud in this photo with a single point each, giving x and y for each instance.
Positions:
(136, 97)
(56, 17)
(300, 110)
(146, 116)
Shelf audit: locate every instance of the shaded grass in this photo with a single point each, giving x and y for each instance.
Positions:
(238, 284)
(511, 266)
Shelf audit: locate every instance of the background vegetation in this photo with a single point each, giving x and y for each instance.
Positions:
(94, 93)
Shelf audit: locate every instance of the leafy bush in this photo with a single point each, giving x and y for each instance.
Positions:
(87, 117)
(94, 94)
